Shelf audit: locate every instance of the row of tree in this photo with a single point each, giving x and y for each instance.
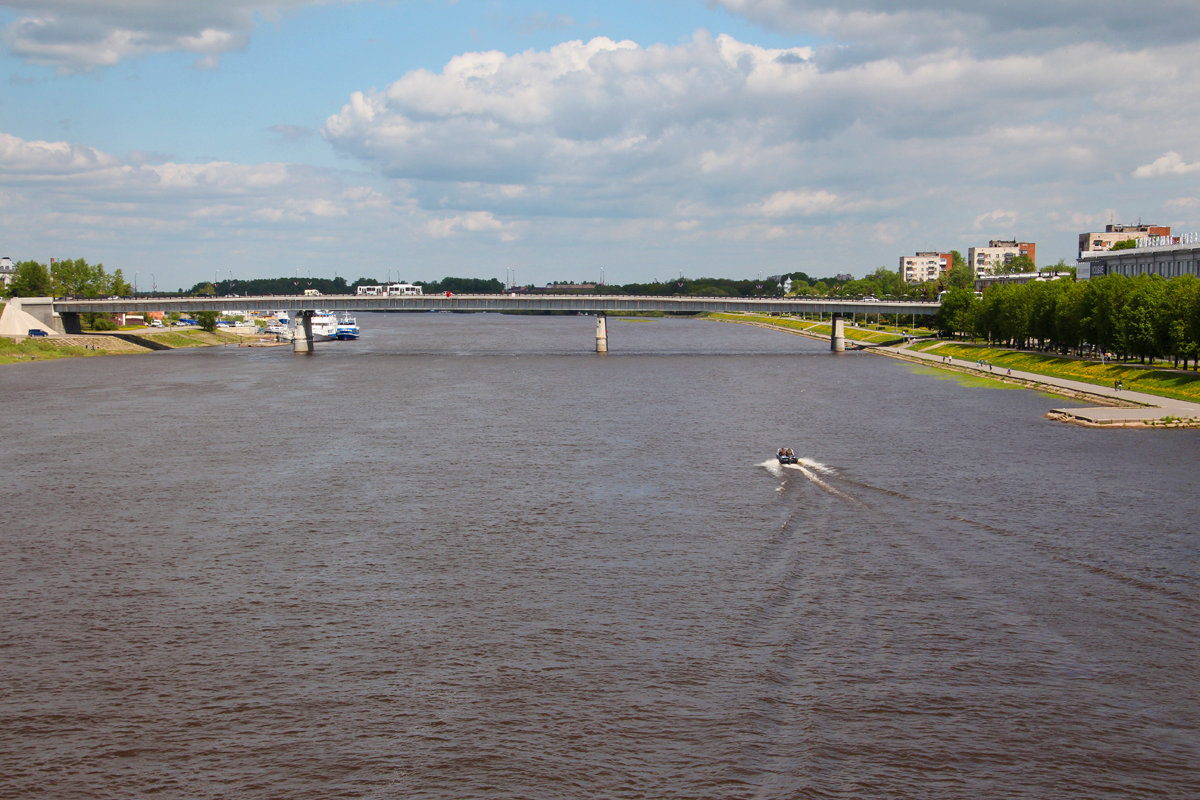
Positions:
(1145, 316)
(66, 278)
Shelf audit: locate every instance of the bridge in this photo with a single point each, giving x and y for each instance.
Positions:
(69, 309)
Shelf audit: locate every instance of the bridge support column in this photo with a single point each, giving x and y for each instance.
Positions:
(601, 333)
(302, 341)
(71, 322)
(837, 342)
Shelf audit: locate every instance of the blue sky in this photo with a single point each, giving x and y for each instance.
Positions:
(423, 138)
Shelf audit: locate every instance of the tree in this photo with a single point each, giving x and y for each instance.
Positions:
(1125, 244)
(960, 275)
(117, 284)
(1016, 265)
(1182, 305)
(954, 317)
(31, 279)
(889, 282)
(207, 320)
(1043, 298)
(77, 278)
(1140, 317)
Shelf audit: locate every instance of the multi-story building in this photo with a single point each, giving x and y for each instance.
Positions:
(926, 266)
(1169, 256)
(988, 260)
(7, 270)
(1104, 240)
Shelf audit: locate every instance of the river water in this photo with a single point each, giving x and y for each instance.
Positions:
(468, 557)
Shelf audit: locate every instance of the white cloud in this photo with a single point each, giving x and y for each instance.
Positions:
(1013, 26)
(1183, 203)
(79, 35)
(999, 218)
(470, 223)
(1168, 164)
(19, 157)
(799, 203)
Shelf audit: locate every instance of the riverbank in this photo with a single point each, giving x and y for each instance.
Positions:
(1123, 407)
(28, 350)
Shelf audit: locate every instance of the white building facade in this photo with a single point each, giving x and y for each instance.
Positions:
(1169, 256)
(1097, 241)
(999, 252)
(926, 266)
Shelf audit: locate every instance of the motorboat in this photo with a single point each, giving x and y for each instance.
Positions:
(347, 328)
(787, 456)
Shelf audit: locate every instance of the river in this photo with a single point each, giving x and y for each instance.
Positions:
(468, 557)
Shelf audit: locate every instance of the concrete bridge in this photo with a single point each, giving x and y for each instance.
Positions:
(63, 314)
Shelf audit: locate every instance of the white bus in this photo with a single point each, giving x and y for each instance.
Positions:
(389, 290)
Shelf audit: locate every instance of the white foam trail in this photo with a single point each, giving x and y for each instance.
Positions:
(815, 466)
(808, 468)
(774, 467)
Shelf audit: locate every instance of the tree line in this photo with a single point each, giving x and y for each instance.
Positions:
(66, 277)
(1145, 316)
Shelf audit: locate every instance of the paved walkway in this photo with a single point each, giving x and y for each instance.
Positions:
(1136, 408)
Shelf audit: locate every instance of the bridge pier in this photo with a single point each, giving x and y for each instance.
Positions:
(601, 333)
(837, 342)
(302, 339)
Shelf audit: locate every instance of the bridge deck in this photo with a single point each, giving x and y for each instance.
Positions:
(501, 302)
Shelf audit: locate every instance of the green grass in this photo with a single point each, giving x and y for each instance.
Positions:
(875, 334)
(1162, 382)
(26, 350)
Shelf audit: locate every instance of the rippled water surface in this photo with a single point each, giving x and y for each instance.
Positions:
(467, 557)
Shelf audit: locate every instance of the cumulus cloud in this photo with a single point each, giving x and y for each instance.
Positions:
(614, 130)
(79, 35)
(1168, 164)
(576, 119)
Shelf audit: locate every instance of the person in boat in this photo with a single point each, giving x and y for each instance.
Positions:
(781, 453)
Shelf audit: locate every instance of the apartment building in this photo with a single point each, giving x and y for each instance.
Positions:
(926, 266)
(1099, 241)
(989, 260)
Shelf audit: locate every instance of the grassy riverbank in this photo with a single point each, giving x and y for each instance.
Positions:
(108, 344)
(868, 334)
(30, 350)
(1158, 380)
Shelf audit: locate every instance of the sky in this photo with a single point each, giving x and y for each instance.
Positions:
(570, 141)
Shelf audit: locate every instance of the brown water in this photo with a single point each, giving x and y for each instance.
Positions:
(466, 557)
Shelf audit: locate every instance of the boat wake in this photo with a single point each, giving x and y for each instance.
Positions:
(812, 470)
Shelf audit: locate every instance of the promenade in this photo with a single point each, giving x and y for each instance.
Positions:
(1129, 409)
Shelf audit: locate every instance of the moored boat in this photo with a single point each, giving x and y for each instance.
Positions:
(347, 328)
